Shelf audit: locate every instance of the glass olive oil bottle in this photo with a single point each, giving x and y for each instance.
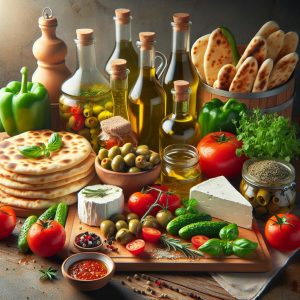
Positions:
(180, 127)
(147, 99)
(180, 66)
(123, 45)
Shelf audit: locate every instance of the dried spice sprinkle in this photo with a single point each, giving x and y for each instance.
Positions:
(88, 240)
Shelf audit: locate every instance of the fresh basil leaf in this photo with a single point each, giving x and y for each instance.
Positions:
(243, 247)
(31, 151)
(228, 250)
(229, 232)
(180, 211)
(54, 142)
(213, 247)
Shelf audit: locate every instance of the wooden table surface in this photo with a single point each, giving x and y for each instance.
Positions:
(19, 279)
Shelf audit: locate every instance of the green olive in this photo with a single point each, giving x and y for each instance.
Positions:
(118, 164)
(129, 159)
(97, 109)
(134, 170)
(108, 228)
(64, 108)
(132, 216)
(124, 236)
(142, 147)
(72, 122)
(91, 122)
(126, 148)
(95, 131)
(103, 153)
(104, 115)
(121, 224)
(143, 151)
(150, 222)
(135, 226)
(117, 217)
(95, 145)
(114, 151)
(106, 163)
(65, 115)
(163, 217)
(88, 112)
(148, 165)
(109, 106)
(140, 161)
(154, 158)
(85, 133)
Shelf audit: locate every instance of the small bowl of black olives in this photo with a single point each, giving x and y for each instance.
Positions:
(128, 167)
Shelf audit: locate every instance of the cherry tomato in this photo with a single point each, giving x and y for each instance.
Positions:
(282, 232)
(8, 221)
(136, 247)
(112, 142)
(139, 203)
(46, 238)
(76, 110)
(79, 122)
(199, 240)
(217, 152)
(151, 235)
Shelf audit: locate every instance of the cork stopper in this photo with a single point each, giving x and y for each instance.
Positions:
(116, 126)
(181, 90)
(118, 69)
(47, 19)
(181, 21)
(147, 39)
(85, 36)
(122, 15)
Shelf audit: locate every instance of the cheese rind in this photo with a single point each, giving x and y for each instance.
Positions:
(92, 210)
(217, 197)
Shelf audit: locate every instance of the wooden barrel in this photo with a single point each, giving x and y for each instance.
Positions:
(278, 100)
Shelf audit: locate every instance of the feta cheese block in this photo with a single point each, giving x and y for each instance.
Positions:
(218, 198)
(95, 207)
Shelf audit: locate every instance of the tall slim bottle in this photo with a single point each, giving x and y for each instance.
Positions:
(180, 66)
(147, 99)
(123, 45)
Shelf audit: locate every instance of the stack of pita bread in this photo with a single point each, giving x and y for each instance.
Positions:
(267, 62)
(38, 183)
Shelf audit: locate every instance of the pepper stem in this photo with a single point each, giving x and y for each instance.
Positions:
(24, 72)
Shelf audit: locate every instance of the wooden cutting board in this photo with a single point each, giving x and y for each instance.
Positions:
(125, 261)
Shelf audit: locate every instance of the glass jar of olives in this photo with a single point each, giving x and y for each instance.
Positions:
(268, 184)
(180, 168)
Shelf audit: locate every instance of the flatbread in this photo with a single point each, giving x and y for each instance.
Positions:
(274, 44)
(50, 193)
(74, 150)
(283, 69)
(267, 29)
(290, 44)
(225, 77)
(217, 54)
(197, 55)
(262, 77)
(81, 168)
(256, 48)
(245, 76)
(36, 203)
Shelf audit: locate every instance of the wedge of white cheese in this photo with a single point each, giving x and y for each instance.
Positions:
(221, 200)
(92, 210)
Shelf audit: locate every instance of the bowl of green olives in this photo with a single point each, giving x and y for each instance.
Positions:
(128, 167)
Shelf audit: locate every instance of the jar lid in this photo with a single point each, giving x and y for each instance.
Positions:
(116, 126)
(47, 18)
(85, 36)
(123, 15)
(268, 173)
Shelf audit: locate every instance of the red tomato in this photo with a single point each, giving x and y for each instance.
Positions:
(217, 155)
(151, 235)
(76, 110)
(79, 122)
(282, 232)
(7, 221)
(136, 247)
(112, 142)
(199, 240)
(46, 238)
(139, 203)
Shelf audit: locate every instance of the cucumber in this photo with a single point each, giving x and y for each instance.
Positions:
(231, 40)
(207, 228)
(61, 213)
(22, 239)
(183, 220)
(49, 213)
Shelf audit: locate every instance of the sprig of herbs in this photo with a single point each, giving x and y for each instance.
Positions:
(95, 193)
(267, 135)
(54, 144)
(48, 274)
(177, 245)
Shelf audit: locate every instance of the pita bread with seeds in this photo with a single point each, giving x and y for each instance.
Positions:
(282, 70)
(290, 44)
(274, 44)
(197, 55)
(267, 29)
(256, 48)
(262, 77)
(245, 76)
(218, 53)
(225, 77)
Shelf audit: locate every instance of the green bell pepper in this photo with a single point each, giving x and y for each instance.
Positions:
(24, 106)
(216, 115)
